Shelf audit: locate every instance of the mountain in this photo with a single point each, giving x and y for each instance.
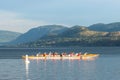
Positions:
(6, 36)
(73, 31)
(39, 32)
(78, 36)
(57, 35)
(81, 31)
(112, 27)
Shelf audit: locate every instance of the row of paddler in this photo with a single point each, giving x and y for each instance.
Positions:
(63, 55)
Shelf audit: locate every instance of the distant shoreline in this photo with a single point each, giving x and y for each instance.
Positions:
(57, 47)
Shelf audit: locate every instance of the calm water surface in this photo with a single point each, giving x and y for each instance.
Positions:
(105, 67)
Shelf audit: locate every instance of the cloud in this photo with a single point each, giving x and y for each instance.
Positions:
(15, 22)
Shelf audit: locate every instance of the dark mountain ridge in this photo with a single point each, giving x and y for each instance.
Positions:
(111, 27)
(39, 32)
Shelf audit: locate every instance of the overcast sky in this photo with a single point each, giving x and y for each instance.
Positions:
(21, 15)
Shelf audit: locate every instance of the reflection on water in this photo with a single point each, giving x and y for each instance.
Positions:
(59, 69)
(89, 59)
(27, 70)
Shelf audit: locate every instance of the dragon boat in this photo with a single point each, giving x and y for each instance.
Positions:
(62, 56)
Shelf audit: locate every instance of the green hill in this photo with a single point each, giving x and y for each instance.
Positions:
(39, 32)
(78, 36)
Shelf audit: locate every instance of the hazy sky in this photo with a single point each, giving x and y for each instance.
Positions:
(21, 15)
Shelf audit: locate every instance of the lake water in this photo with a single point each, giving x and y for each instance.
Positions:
(105, 67)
